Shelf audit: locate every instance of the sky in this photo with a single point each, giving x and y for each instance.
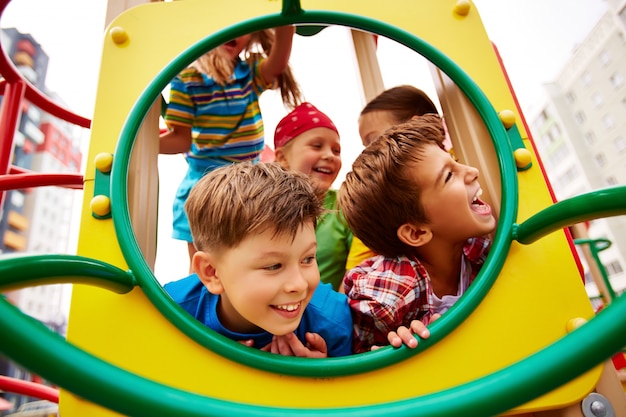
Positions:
(534, 37)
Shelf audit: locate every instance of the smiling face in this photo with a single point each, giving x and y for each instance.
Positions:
(316, 153)
(450, 197)
(265, 282)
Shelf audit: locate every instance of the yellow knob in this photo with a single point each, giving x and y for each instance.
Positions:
(462, 7)
(507, 117)
(118, 35)
(103, 162)
(100, 205)
(573, 324)
(522, 157)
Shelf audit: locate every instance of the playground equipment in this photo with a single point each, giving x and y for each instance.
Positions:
(522, 340)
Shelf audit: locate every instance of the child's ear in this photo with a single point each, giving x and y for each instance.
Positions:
(414, 235)
(279, 156)
(204, 267)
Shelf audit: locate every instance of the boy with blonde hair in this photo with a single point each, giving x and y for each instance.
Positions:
(256, 279)
(408, 200)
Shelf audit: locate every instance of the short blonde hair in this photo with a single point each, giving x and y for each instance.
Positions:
(379, 195)
(232, 202)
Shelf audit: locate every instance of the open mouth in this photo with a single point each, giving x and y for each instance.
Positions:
(479, 206)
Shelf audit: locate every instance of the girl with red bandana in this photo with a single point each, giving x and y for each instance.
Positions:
(307, 140)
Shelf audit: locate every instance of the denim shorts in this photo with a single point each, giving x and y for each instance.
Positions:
(197, 169)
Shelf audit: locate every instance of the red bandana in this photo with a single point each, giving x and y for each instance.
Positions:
(303, 118)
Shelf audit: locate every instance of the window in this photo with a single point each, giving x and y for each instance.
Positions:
(605, 57)
(609, 181)
(17, 199)
(559, 155)
(608, 121)
(580, 117)
(569, 176)
(620, 144)
(614, 268)
(541, 119)
(555, 132)
(600, 160)
(597, 99)
(586, 78)
(616, 79)
(570, 97)
(590, 138)
(547, 138)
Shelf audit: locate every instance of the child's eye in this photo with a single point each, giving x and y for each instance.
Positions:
(448, 177)
(308, 260)
(274, 267)
(337, 151)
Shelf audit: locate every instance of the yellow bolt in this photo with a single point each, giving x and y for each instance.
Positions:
(462, 7)
(118, 35)
(100, 205)
(573, 324)
(103, 162)
(507, 117)
(522, 158)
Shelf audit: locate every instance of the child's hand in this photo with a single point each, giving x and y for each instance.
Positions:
(290, 345)
(248, 342)
(406, 335)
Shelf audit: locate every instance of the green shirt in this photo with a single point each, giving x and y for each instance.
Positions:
(334, 239)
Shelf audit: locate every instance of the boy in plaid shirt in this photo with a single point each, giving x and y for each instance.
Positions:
(409, 201)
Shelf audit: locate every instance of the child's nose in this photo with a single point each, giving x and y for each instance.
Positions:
(471, 173)
(296, 282)
(328, 153)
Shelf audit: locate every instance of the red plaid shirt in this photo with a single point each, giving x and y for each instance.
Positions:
(386, 293)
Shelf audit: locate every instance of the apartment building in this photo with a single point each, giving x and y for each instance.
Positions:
(38, 220)
(580, 131)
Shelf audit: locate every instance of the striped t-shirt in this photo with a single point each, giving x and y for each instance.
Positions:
(226, 120)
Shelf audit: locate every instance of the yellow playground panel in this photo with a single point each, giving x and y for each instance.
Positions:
(537, 299)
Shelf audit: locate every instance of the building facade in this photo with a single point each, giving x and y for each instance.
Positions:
(37, 220)
(580, 132)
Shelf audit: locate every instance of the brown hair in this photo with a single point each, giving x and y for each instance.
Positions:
(379, 195)
(221, 68)
(231, 202)
(403, 102)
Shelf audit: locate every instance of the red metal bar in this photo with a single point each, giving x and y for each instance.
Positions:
(9, 115)
(31, 389)
(11, 74)
(38, 179)
(14, 169)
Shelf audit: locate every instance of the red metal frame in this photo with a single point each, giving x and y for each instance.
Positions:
(31, 389)
(15, 89)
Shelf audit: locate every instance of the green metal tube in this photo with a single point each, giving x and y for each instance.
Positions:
(29, 343)
(29, 270)
(606, 202)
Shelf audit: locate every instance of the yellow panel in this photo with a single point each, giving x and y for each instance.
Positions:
(538, 291)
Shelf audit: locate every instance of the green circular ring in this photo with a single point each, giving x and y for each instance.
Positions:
(127, 393)
(301, 366)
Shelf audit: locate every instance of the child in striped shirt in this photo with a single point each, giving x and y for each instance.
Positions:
(213, 114)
